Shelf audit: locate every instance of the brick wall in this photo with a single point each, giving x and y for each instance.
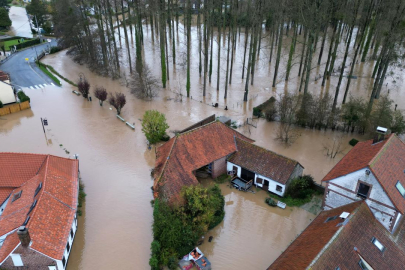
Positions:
(218, 167)
(31, 260)
(16, 107)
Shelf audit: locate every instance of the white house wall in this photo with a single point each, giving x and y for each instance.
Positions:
(229, 167)
(70, 241)
(346, 192)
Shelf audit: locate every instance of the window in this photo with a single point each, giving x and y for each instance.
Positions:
(279, 188)
(26, 221)
(38, 189)
(378, 244)
(259, 180)
(400, 188)
(331, 218)
(363, 190)
(32, 206)
(17, 196)
(64, 261)
(71, 233)
(17, 260)
(68, 247)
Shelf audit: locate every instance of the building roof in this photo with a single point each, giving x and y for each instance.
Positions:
(189, 151)
(263, 161)
(386, 160)
(312, 240)
(51, 219)
(10, 243)
(328, 246)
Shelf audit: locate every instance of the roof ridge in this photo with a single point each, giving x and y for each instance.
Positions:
(268, 150)
(57, 199)
(383, 149)
(43, 188)
(194, 129)
(164, 166)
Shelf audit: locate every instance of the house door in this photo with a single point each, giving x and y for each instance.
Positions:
(235, 170)
(247, 175)
(266, 184)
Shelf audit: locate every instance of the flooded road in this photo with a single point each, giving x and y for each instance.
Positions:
(115, 163)
(20, 23)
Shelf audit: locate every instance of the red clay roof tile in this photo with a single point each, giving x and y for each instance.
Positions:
(10, 243)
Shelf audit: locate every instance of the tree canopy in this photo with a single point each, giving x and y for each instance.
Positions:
(37, 8)
(4, 18)
(154, 126)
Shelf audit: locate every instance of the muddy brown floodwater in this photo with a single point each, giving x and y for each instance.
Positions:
(20, 24)
(115, 163)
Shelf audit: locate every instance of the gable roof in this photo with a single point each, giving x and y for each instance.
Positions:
(189, 151)
(328, 246)
(10, 243)
(263, 161)
(311, 241)
(52, 217)
(386, 159)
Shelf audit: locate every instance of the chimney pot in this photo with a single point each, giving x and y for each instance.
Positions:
(24, 236)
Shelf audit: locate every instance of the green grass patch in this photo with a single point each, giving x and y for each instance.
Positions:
(9, 43)
(47, 72)
(222, 178)
(58, 74)
(289, 201)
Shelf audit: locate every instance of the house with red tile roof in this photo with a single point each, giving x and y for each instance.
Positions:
(373, 171)
(344, 238)
(38, 204)
(221, 150)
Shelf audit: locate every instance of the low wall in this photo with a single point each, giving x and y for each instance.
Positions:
(16, 107)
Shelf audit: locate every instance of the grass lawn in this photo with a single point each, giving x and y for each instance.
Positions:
(13, 42)
(50, 75)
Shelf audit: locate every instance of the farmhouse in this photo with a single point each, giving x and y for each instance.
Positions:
(219, 149)
(345, 237)
(6, 90)
(372, 171)
(38, 202)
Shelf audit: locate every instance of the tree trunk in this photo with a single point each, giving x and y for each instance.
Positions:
(325, 73)
(162, 32)
(323, 44)
(292, 50)
(280, 44)
(245, 96)
(126, 39)
(188, 22)
(219, 45)
(303, 51)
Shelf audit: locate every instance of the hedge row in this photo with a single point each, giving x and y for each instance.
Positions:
(28, 44)
(47, 72)
(23, 97)
(60, 76)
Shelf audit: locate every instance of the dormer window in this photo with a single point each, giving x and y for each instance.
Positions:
(378, 244)
(400, 188)
(330, 219)
(16, 196)
(38, 189)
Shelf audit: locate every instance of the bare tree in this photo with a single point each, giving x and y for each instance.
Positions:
(83, 87)
(101, 94)
(287, 106)
(335, 147)
(118, 101)
(144, 85)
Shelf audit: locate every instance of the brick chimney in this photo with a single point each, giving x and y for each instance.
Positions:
(380, 134)
(24, 236)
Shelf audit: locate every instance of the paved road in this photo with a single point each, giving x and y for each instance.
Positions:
(23, 74)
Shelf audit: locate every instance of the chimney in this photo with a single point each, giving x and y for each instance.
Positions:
(380, 134)
(24, 236)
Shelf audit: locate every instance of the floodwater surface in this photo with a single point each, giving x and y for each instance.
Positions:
(20, 24)
(115, 162)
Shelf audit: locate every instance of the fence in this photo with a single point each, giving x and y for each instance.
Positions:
(16, 107)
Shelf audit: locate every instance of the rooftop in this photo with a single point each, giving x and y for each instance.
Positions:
(385, 159)
(52, 183)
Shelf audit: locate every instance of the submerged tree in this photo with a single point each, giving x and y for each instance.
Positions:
(118, 101)
(83, 87)
(101, 94)
(144, 85)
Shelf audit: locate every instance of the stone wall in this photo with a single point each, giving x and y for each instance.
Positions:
(218, 167)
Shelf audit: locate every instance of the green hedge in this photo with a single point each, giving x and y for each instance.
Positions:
(23, 97)
(28, 44)
(60, 76)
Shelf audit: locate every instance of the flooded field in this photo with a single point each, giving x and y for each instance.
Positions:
(20, 24)
(115, 163)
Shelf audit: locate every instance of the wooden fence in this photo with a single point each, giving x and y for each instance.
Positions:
(16, 107)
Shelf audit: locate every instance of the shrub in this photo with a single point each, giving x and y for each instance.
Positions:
(301, 187)
(353, 142)
(271, 202)
(257, 112)
(83, 87)
(101, 94)
(154, 126)
(55, 49)
(23, 97)
(118, 101)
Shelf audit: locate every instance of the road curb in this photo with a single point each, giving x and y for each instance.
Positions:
(5, 60)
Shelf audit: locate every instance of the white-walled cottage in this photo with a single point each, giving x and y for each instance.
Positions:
(268, 170)
(373, 171)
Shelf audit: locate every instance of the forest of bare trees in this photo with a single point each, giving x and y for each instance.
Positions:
(99, 34)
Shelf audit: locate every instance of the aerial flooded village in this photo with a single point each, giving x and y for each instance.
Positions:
(202, 134)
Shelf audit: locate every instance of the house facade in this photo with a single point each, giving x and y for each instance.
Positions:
(372, 171)
(6, 90)
(38, 222)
